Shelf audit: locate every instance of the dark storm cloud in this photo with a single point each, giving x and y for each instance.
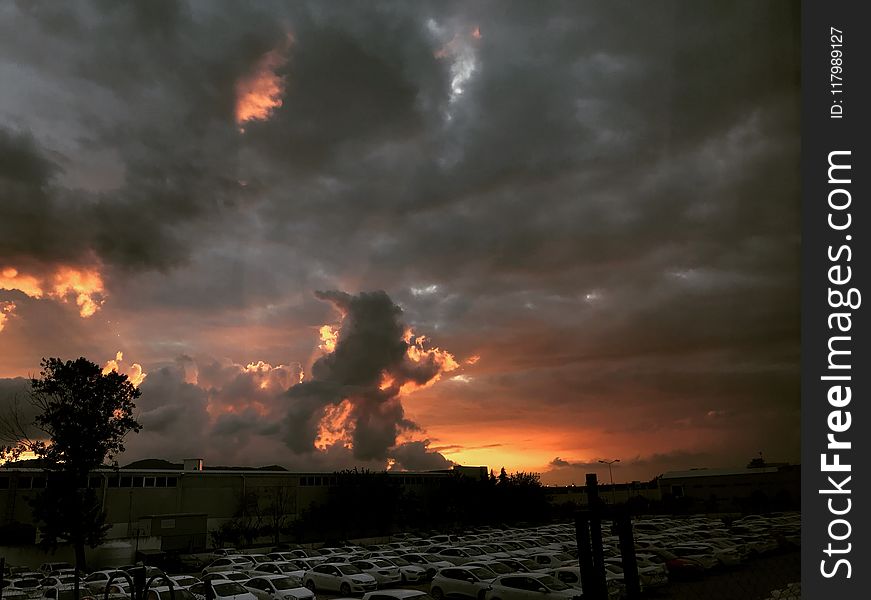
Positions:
(417, 456)
(593, 182)
(370, 345)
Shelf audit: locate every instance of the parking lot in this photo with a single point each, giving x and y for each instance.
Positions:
(682, 558)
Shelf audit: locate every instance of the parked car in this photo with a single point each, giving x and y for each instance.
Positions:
(468, 582)
(227, 575)
(408, 572)
(530, 586)
(278, 587)
(29, 586)
(59, 593)
(384, 573)
(431, 562)
(47, 567)
(223, 589)
(184, 581)
(97, 580)
(396, 594)
(344, 578)
(162, 592)
(222, 552)
(282, 567)
(229, 563)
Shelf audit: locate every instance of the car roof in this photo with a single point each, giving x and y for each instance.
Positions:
(400, 593)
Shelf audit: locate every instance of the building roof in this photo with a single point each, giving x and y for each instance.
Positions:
(718, 472)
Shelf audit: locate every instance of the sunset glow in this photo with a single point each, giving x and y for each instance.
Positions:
(135, 374)
(333, 427)
(260, 92)
(83, 285)
(6, 309)
(329, 336)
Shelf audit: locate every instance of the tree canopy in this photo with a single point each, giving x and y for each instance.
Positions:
(82, 417)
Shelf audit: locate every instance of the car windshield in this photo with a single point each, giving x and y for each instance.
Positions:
(399, 562)
(26, 583)
(528, 563)
(552, 583)
(349, 570)
(228, 588)
(235, 576)
(481, 572)
(380, 562)
(185, 580)
(563, 556)
(499, 568)
(433, 558)
(286, 583)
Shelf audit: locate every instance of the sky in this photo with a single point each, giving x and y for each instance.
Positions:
(407, 235)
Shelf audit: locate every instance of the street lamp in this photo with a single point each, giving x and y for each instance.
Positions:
(611, 474)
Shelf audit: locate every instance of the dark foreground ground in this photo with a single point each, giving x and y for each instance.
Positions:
(753, 581)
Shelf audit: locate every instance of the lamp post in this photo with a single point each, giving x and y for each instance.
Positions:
(611, 474)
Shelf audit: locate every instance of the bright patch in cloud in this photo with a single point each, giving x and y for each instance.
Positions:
(85, 286)
(6, 309)
(135, 374)
(259, 93)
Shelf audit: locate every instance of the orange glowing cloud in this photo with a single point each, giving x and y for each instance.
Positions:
(260, 92)
(329, 337)
(6, 309)
(335, 426)
(135, 374)
(279, 377)
(85, 285)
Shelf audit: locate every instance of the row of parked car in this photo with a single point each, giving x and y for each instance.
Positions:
(487, 564)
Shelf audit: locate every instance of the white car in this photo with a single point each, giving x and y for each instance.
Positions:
(397, 594)
(222, 552)
(97, 580)
(571, 576)
(344, 578)
(229, 563)
(530, 586)
(47, 568)
(468, 582)
(223, 589)
(29, 586)
(65, 592)
(384, 573)
(431, 562)
(162, 593)
(237, 576)
(278, 587)
(184, 581)
(279, 567)
(553, 560)
(408, 572)
(462, 555)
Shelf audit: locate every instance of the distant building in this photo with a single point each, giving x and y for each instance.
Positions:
(758, 489)
(173, 506)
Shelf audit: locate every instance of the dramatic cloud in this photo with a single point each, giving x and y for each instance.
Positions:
(594, 206)
(353, 396)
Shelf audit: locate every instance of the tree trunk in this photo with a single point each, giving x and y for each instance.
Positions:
(80, 557)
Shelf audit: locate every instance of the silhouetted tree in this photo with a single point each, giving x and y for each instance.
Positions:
(82, 418)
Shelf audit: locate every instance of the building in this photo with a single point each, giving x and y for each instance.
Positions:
(158, 505)
(757, 489)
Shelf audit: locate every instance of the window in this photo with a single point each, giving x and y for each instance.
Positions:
(160, 482)
(137, 481)
(149, 482)
(171, 481)
(125, 481)
(514, 582)
(4, 483)
(24, 483)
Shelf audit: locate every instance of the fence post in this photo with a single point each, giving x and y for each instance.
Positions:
(627, 554)
(596, 537)
(585, 557)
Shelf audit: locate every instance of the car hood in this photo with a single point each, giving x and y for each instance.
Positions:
(300, 593)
